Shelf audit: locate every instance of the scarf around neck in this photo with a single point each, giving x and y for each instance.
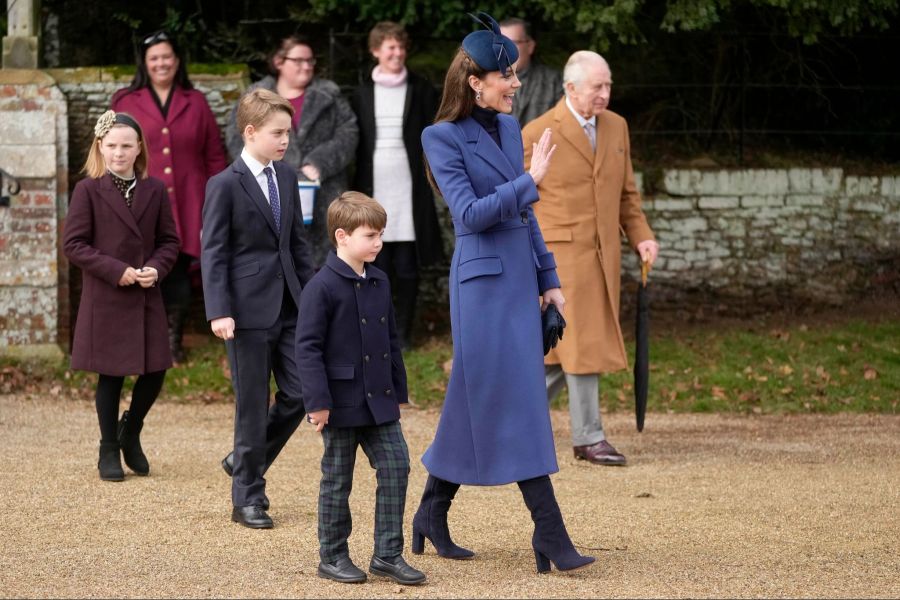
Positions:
(389, 79)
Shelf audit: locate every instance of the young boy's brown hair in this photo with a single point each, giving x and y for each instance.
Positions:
(354, 209)
(257, 106)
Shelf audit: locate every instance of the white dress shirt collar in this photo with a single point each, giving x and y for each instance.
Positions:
(254, 165)
(581, 120)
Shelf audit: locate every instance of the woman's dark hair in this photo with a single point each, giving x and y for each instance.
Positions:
(284, 46)
(458, 99)
(142, 77)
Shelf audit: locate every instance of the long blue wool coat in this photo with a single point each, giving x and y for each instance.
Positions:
(495, 424)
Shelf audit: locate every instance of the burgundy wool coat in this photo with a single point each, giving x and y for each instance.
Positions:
(120, 330)
(185, 151)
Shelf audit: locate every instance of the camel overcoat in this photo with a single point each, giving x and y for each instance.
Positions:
(588, 200)
(120, 330)
(495, 423)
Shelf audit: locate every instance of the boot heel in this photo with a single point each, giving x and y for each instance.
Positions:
(543, 563)
(418, 542)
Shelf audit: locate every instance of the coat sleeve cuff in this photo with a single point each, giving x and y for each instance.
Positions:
(516, 196)
(547, 277)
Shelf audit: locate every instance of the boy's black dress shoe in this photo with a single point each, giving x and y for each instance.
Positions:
(342, 570)
(254, 517)
(397, 569)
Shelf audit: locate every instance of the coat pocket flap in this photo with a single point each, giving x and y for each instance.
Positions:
(244, 270)
(478, 267)
(557, 235)
(339, 371)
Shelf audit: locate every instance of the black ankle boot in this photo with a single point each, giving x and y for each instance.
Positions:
(109, 464)
(130, 441)
(430, 520)
(550, 540)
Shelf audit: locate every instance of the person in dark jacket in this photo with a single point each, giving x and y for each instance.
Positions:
(255, 260)
(392, 107)
(323, 131)
(185, 151)
(349, 360)
(120, 232)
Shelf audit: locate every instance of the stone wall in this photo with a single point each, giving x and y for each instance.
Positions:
(745, 241)
(33, 148)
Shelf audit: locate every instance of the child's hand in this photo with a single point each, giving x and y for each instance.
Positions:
(147, 277)
(319, 418)
(128, 277)
(223, 327)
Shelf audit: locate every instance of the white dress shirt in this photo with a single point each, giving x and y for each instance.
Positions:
(256, 168)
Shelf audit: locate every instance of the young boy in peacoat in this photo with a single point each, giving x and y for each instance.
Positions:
(255, 260)
(350, 363)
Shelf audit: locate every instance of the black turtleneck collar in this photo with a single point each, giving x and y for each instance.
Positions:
(487, 118)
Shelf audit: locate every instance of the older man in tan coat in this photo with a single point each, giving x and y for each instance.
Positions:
(587, 200)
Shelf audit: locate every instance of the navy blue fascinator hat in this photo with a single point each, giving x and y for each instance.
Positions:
(489, 48)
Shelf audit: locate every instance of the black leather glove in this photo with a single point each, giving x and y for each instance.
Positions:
(552, 324)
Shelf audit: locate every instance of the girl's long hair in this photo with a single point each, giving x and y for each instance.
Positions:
(458, 99)
(95, 166)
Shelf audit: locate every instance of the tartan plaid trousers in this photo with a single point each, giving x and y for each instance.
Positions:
(386, 450)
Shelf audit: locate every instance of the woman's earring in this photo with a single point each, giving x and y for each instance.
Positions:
(477, 96)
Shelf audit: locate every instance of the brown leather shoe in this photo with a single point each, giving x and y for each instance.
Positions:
(601, 453)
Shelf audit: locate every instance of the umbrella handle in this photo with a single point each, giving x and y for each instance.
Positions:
(645, 269)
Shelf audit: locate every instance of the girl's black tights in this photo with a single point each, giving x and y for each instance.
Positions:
(109, 389)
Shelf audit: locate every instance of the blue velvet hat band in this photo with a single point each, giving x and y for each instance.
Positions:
(489, 48)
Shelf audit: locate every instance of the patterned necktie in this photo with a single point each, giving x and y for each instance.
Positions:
(592, 134)
(274, 202)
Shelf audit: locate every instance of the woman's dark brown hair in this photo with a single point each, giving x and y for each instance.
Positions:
(458, 98)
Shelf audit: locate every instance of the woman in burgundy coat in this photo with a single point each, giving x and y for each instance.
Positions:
(119, 231)
(185, 151)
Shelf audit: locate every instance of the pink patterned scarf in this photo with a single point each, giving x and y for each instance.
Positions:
(388, 79)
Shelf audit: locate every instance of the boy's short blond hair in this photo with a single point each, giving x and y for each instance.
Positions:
(354, 209)
(258, 105)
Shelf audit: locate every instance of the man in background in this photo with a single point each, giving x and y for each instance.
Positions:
(541, 85)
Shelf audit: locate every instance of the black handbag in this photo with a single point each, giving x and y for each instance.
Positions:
(552, 325)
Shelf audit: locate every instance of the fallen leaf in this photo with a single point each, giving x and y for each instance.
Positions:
(718, 392)
(786, 370)
(869, 373)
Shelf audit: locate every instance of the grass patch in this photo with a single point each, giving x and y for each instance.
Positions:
(851, 366)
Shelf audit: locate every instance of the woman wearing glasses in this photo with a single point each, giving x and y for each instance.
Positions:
(185, 150)
(323, 135)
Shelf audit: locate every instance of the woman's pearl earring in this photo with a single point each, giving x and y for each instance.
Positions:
(477, 96)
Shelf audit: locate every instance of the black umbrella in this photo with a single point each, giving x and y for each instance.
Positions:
(642, 348)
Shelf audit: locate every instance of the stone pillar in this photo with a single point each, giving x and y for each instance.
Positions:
(21, 44)
(33, 272)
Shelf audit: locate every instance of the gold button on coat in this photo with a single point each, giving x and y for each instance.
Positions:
(167, 170)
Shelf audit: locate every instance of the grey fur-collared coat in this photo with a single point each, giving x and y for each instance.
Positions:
(326, 139)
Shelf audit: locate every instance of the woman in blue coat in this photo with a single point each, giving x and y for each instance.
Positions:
(495, 425)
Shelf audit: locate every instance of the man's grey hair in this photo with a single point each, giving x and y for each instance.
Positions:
(575, 67)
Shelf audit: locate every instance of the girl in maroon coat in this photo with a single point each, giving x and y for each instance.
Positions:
(120, 233)
(185, 151)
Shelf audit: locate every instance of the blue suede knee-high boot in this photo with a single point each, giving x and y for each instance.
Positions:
(430, 521)
(551, 541)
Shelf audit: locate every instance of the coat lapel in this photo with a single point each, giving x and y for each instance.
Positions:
(285, 193)
(251, 187)
(113, 197)
(180, 103)
(485, 147)
(141, 200)
(572, 131)
(604, 139)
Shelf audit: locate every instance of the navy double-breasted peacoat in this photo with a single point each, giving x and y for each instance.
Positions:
(495, 424)
(347, 349)
(120, 330)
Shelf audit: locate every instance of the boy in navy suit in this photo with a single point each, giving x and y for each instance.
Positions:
(254, 261)
(354, 381)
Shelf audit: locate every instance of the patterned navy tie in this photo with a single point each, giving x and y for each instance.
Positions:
(274, 202)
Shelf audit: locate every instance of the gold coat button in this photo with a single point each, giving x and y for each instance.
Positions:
(166, 150)
(170, 190)
(165, 131)
(167, 170)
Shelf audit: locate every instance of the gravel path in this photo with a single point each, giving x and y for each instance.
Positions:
(710, 506)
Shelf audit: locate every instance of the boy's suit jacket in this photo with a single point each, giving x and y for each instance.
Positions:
(245, 262)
